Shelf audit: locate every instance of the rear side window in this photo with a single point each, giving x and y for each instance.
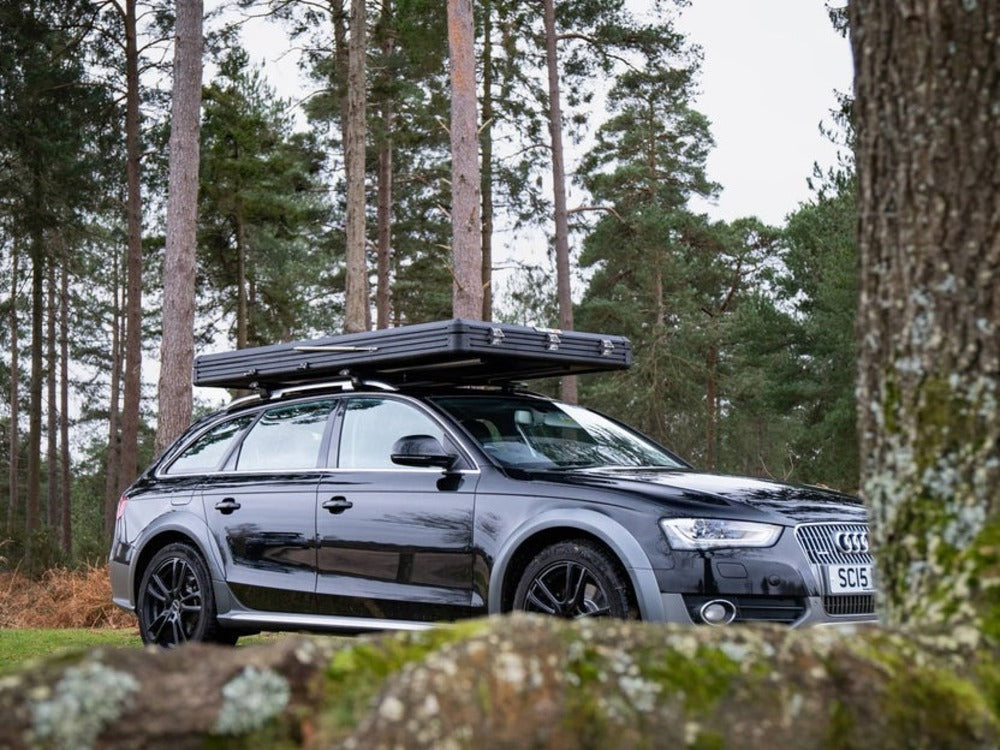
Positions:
(208, 451)
(285, 438)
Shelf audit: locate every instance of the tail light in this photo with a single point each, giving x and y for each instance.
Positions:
(121, 507)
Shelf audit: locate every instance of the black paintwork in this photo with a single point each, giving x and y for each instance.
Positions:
(422, 544)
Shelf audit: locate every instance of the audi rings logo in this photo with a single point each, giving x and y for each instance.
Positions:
(852, 541)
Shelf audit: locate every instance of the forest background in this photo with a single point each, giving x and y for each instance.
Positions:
(743, 332)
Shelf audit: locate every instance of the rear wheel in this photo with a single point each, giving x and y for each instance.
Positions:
(574, 579)
(176, 604)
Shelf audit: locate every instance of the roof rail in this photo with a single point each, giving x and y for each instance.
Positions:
(345, 384)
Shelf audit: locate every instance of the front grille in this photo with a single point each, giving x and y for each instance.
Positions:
(849, 604)
(819, 542)
(780, 610)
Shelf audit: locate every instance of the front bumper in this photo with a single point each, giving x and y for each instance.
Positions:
(791, 611)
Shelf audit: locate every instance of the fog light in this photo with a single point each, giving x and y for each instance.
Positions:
(718, 612)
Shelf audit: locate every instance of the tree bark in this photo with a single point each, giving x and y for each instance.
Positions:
(113, 462)
(242, 302)
(177, 346)
(65, 493)
(13, 499)
(711, 405)
(35, 395)
(466, 227)
(486, 147)
(357, 312)
(51, 408)
(133, 335)
(568, 386)
(383, 292)
(928, 161)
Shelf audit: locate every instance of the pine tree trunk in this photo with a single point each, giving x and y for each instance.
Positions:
(113, 462)
(65, 493)
(567, 386)
(466, 229)
(177, 347)
(129, 450)
(383, 292)
(383, 295)
(35, 393)
(711, 398)
(486, 146)
(357, 312)
(928, 159)
(242, 302)
(51, 429)
(15, 395)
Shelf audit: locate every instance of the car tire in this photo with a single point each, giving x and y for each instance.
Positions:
(575, 578)
(175, 602)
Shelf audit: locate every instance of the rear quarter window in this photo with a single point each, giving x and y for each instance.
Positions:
(207, 452)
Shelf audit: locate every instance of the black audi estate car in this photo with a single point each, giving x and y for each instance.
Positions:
(399, 478)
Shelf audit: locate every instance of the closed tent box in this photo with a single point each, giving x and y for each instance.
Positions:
(447, 352)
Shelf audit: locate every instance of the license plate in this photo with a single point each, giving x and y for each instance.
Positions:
(850, 579)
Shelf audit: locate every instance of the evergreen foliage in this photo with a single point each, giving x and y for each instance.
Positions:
(743, 333)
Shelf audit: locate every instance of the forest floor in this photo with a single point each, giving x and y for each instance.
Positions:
(64, 609)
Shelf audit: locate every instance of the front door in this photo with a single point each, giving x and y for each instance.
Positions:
(395, 542)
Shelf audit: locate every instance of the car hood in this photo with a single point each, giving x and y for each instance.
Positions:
(688, 491)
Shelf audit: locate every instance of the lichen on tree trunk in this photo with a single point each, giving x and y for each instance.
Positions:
(928, 160)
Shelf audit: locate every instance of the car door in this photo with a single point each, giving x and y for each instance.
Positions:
(395, 542)
(262, 508)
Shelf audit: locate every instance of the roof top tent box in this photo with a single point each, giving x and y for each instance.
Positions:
(456, 352)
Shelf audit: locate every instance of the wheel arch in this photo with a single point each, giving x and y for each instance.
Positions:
(560, 525)
(176, 530)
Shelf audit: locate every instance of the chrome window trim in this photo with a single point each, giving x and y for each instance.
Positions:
(163, 473)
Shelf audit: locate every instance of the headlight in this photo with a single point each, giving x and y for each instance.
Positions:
(713, 533)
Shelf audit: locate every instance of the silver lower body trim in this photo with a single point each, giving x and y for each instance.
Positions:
(282, 621)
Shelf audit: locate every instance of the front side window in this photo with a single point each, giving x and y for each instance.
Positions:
(208, 451)
(373, 425)
(532, 433)
(286, 438)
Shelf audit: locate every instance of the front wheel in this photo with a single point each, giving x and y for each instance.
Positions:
(574, 579)
(176, 604)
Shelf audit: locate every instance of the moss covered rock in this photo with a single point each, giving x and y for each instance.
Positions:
(521, 682)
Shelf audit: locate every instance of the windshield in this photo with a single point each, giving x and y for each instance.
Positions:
(534, 434)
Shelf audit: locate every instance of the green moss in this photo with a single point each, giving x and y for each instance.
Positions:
(986, 553)
(356, 673)
(703, 678)
(931, 702)
(708, 740)
(841, 730)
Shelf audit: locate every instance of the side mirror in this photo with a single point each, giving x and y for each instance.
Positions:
(421, 451)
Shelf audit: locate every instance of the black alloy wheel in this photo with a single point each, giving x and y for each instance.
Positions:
(175, 600)
(574, 579)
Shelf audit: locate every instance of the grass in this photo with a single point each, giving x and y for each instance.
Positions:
(18, 645)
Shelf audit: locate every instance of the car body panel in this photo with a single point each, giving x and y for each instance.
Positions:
(402, 551)
(402, 547)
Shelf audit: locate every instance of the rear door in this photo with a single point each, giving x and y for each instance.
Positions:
(395, 542)
(262, 508)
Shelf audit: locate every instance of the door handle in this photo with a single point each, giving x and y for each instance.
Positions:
(227, 506)
(338, 504)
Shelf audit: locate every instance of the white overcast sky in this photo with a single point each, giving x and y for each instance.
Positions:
(770, 72)
(769, 76)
